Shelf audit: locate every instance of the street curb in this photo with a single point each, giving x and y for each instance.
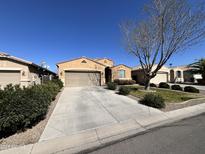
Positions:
(91, 140)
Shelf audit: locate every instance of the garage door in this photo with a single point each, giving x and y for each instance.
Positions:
(160, 77)
(9, 77)
(81, 79)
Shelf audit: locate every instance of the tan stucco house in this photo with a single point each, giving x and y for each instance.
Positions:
(178, 74)
(162, 75)
(91, 72)
(183, 74)
(14, 70)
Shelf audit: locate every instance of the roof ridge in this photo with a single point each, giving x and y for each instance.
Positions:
(5, 55)
(80, 58)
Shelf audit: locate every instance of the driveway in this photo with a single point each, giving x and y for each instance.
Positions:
(84, 108)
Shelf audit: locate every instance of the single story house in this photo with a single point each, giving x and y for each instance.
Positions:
(91, 72)
(182, 74)
(14, 70)
(179, 74)
(162, 75)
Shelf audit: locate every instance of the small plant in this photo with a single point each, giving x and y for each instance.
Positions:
(153, 100)
(123, 90)
(111, 85)
(191, 89)
(153, 85)
(176, 87)
(164, 85)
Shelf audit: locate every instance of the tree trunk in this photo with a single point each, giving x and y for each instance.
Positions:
(147, 84)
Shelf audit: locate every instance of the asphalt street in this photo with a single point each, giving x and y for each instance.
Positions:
(184, 137)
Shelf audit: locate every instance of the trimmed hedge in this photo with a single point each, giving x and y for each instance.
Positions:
(21, 108)
(58, 82)
(111, 85)
(123, 90)
(191, 89)
(153, 85)
(153, 100)
(124, 82)
(176, 87)
(164, 85)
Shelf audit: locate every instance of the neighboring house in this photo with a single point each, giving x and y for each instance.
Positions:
(91, 72)
(14, 70)
(162, 75)
(183, 74)
(179, 74)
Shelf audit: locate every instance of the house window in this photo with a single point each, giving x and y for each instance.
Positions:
(121, 73)
(179, 74)
(23, 73)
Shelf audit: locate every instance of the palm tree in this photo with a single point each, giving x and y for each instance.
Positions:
(199, 67)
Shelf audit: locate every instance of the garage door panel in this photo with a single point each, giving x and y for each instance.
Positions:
(160, 77)
(9, 77)
(78, 79)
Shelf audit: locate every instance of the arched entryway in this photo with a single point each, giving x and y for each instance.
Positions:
(172, 76)
(108, 75)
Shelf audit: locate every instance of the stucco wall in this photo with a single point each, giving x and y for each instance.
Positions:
(81, 64)
(24, 70)
(34, 76)
(174, 77)
(115, 74)
(106, 62)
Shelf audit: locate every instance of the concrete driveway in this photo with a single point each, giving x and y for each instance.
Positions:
(84, 108)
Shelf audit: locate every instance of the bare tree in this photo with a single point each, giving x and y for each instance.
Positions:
(168, 27)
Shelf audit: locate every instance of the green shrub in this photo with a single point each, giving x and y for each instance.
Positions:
(153, 85)
(124, 81)
(58, 82)
(176, 87)
(191, 89)
(111, 85)
(153, 100)
(123, 90)
(52, 87)
(1, 94)
(21, 108)
(164, 85)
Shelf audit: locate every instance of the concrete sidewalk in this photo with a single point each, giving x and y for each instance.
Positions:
(105, 135)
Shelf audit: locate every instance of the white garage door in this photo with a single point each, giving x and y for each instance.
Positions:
(9, 77)
(160, 77)
(81, 79)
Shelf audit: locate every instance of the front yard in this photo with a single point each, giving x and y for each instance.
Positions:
(170, 96)
(173, 99)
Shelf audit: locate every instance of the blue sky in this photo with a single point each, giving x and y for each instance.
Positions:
(58, 30)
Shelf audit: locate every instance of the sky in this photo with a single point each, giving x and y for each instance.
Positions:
(59, 30)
